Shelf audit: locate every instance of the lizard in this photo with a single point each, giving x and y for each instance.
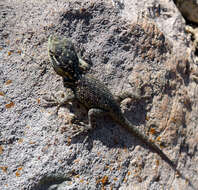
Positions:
(90, 92)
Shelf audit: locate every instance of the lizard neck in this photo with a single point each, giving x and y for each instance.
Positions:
(71, 83)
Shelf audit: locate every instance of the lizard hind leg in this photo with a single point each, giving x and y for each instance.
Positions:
(135, 96)
(93, 113)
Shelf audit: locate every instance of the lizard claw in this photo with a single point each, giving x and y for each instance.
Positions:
(51, 102)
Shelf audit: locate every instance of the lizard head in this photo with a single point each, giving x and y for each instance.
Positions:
(63, 56)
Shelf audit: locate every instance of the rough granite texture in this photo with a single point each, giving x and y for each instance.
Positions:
(130, 45)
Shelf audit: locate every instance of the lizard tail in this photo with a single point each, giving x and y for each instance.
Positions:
(131, 128)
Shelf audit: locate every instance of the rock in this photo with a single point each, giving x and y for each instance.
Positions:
(131, 45)
(189, 9)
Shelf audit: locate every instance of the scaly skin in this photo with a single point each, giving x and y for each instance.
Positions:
(92, 93)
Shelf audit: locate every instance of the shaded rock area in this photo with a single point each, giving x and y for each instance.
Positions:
(131, 46)
(189, 9)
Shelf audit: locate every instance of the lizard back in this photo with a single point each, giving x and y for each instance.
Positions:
(94, 94)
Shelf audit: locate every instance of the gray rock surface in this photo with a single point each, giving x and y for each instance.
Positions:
(131, 45)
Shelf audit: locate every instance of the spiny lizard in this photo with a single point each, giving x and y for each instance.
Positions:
(92, 93)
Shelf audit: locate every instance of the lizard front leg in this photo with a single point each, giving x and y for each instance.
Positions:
(61, 98)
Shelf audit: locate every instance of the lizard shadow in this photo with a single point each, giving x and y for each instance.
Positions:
(112, 134)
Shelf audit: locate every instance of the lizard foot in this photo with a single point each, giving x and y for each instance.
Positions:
(59, 99)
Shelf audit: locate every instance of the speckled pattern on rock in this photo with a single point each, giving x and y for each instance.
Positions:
(141, 45)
